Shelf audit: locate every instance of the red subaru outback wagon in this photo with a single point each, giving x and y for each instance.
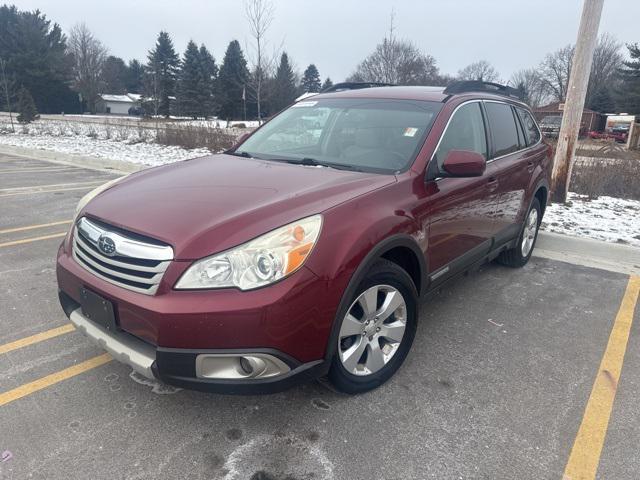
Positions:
(304, 250)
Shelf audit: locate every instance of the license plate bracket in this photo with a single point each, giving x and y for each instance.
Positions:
(98, 309)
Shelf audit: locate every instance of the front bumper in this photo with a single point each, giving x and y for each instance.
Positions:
(183, 367)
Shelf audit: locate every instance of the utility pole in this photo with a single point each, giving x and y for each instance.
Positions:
(574, 102)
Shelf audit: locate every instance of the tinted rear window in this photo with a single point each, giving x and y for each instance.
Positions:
(530, 129)
(503, 128)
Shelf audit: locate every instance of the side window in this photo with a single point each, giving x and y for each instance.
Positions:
(530, 129)
(465, 132)
(503, 128)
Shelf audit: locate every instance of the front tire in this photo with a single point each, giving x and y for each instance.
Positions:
(377, 330)
(519, 255)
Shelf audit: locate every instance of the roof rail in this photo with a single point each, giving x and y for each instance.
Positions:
(339, 87)
(480, 86)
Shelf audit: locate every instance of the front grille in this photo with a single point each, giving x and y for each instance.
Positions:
(128, 261)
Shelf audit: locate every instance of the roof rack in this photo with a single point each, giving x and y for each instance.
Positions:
(339, 87)
(480, 86)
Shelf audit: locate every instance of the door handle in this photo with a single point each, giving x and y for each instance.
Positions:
(530, 166)
(492, 183)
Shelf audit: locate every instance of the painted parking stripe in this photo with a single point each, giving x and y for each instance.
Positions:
(54, 185)
(37, 170)
(38, 337)
(32, 227)
(33, 192)
(585, 454)
(57, 377)
(32, 239)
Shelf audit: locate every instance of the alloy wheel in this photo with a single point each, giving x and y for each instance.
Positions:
(529, 233)
(372, 330)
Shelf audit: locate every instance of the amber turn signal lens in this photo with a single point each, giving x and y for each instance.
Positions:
(296, 257)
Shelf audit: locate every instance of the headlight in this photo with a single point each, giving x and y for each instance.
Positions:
(259, 262)
(89, 196)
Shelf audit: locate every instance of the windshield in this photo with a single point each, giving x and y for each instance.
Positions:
(375, 135)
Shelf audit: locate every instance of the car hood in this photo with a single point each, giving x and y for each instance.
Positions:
(206, 205)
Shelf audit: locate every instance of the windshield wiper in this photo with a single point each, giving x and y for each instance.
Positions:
(312, 162)
(239, 153)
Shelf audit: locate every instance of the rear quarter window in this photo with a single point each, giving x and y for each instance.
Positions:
(530, 128)
(503, 128)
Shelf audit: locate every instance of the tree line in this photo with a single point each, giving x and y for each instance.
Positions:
(57, 73)
(47, 71)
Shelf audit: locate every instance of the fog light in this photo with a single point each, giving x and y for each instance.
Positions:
(234, 366)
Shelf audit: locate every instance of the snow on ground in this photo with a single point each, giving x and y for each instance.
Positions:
(121, 143)
(138, 153)
(607, 218)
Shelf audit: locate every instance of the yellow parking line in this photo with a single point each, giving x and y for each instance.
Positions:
(33, 192)
(32, 239)
(57, 377)
(585, 454)
(31, 227)
(38, 337)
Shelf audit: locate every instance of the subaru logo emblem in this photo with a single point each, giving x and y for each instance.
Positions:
(107, 245)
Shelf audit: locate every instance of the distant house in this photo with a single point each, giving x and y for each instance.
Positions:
(590, 120)
(117, 104)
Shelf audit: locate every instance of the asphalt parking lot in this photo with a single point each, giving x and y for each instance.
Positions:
(499, 384)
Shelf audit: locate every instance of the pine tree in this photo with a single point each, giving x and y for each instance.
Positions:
(161, 72)
(27, 111)
(628, 96)
(284, 85)
(34, 49)
(602, 101)
(114, 74)
(208, 77)
(232, 82)
(327, 84)
(134, 78)
(311, 79)
(188, 91)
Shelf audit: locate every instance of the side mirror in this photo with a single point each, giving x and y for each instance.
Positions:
(463, 163)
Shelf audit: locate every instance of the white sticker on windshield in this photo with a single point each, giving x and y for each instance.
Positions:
(304, 104)
(410, 132)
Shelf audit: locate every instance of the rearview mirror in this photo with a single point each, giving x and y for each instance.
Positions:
(463, 163)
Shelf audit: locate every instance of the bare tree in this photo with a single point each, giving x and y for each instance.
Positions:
(607, 60)
(5, 87)
(531, 86)
(398, 62)
(88, 55)
(481, 71)
(260, 15)
(554, 71)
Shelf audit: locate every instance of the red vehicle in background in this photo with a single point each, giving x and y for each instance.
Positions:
(306, 249)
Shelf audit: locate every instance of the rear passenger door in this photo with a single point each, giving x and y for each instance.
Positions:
(512, 166)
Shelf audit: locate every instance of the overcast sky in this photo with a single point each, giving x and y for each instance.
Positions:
(337, 34)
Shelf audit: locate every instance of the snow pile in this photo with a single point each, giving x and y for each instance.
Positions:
(607, 218)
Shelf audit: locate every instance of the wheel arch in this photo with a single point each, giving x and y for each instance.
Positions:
(399, 249)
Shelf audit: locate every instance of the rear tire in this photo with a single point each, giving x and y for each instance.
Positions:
(519, 255)
(376, 331)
